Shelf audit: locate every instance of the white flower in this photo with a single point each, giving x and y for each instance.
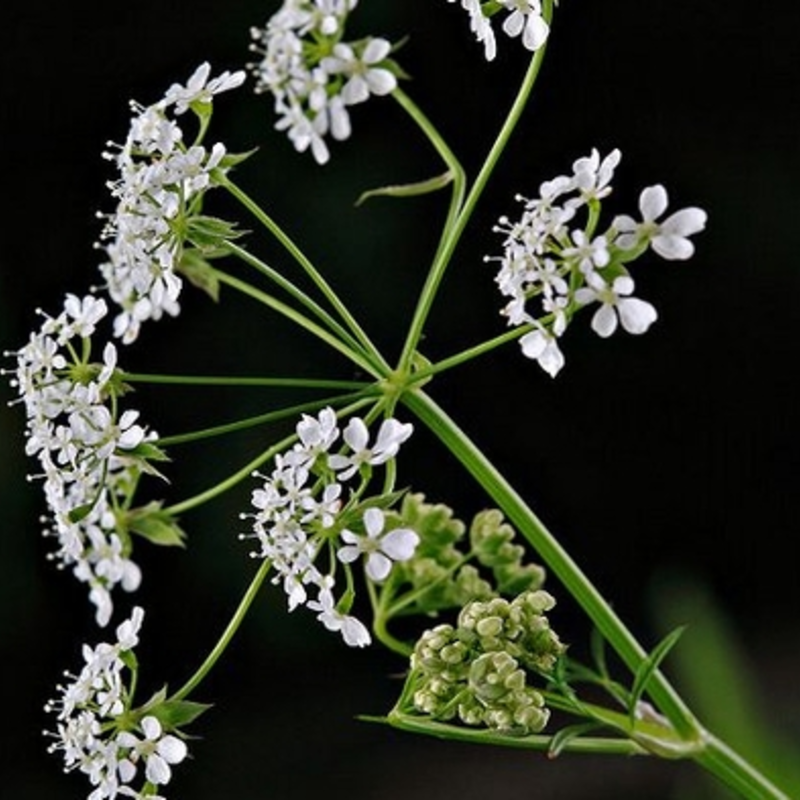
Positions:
(89, 710)
(592, 176)
(540, 345)
(481, 26)
(380, 548)
(81, 446)
(157, 750)
(667, 238)
(589, 254)
(526, 19)
(199, 89)
(313, 75)
(635, 315)
(354, 632)
(316, 435)
(390, 436)
(158, 177)
(363, 76)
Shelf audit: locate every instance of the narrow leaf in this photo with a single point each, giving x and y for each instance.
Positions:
(650, 665)
(409, 189)
(566, 735)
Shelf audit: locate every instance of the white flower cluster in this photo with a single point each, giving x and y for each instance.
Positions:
(313, 75)
(524, 19)
(301, 511)
(90, 713)
(159, 176)
(564, 266)
(81, 440)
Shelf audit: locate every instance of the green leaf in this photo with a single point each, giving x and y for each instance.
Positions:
(409, 189)
(650, 665)
(156, 525)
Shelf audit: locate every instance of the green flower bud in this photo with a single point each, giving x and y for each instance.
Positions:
(437, 529)
(492, 539)
(514, 579)
(492, 676)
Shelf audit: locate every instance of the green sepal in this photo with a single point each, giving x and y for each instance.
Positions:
(210, 232)
(172, 714)
(175, 714)
(409, 189)
(147, 451)
(234, 159)
(128, 658)
(143, 454)
(156, 526)
(80, 512)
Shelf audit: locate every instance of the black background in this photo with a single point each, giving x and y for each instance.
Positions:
(655, 459)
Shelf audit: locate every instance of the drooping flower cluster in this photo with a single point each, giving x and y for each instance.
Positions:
(524, 20)
(553, 265)
(303, 512)
(95, 732)
(161, 181)
(89, 452)
(479, 671)
(313, 75)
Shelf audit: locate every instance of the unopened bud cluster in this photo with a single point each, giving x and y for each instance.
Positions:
(479, 670)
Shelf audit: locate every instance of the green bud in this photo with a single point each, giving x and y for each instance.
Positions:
(491, 538)
(437, 529)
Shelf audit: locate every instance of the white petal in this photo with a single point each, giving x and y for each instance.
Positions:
(355, 632)
(552, 359)
(376, 50)
(151, 727)
(536, 32)
(672, 248)
(653, 202)
(400, 544)
(378, 566)
(636, 315)
(623, 284)
(157, 770)
(685, 222)
(604, 321)
(381, 81)
(172, 749)
(373, 522)
(348, 554)
(533, 344)
(356, 434)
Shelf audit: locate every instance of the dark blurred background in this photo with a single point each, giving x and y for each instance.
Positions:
(666, 464)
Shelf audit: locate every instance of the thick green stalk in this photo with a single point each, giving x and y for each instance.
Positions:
(727, 765)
